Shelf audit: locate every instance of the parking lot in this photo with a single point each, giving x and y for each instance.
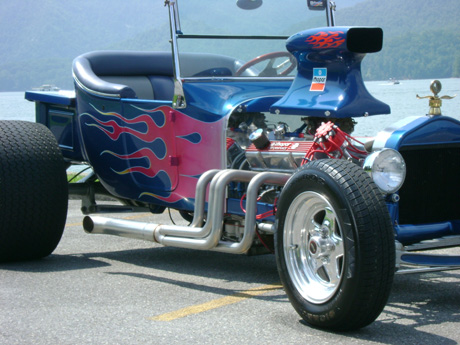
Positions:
(98, 289)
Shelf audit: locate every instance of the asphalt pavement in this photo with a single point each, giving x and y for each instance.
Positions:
(99, 289)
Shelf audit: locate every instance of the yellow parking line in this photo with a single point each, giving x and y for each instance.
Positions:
(217, 303)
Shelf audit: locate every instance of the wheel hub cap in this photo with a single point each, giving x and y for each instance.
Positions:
(314, 249)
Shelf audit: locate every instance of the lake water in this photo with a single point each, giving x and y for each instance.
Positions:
(400, 97)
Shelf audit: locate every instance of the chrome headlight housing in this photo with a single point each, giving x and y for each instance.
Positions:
(387, 168)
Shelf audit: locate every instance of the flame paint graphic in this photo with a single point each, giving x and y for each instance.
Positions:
(194, 138)
(114, 130)
(170, 144)
(176, 196)
(324, 40)
(145, 154)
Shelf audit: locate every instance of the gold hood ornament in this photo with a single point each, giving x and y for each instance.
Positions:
(435, 101)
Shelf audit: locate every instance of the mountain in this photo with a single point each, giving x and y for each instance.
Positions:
(420, 37)
(33, 29)
(39, 39)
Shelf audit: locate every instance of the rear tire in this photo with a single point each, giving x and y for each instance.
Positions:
(33, 191)
(335, 246)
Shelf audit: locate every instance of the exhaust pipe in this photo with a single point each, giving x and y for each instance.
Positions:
(146, 231)
(120, 227)
(251, 212)
(196, 236)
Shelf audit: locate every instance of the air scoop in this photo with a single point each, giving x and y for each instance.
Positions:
(329, 81)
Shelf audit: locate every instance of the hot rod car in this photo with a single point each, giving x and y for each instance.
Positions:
(247, 131)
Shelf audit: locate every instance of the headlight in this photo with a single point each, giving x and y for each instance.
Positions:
(387, 169)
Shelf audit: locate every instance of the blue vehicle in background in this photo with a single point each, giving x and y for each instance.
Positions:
(246, 129)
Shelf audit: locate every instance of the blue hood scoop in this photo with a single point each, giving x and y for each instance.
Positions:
(329, 81)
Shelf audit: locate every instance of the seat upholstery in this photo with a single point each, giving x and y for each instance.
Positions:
(144, 75)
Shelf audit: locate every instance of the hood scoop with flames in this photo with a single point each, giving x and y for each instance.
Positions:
(329, 81)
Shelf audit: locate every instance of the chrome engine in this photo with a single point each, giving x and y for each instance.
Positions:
(263, 147)
(279, 156)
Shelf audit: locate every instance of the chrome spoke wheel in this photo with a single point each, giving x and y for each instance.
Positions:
(313, 247)
(334, 245)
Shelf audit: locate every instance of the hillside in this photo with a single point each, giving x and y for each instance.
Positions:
(40, 38)
(420, 39)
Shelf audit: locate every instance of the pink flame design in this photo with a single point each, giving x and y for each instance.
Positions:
(184, 158)
(116, 130)
(144, 153)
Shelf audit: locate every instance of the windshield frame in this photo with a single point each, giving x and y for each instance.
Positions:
(177, 34)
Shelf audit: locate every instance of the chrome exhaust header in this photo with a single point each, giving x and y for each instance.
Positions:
(119, 227)
(197, 236)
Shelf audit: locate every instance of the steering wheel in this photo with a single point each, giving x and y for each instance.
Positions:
(270, 70)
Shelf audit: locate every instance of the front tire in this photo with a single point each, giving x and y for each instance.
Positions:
(33, 191)
(334, 245)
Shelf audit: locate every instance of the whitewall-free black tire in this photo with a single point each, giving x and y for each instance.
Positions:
(334, 245)
(33, 191)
